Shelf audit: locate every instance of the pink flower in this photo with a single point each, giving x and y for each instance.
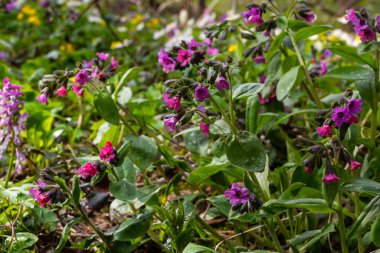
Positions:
(87, 170)
(36, 193)
(184, 57)
(108, 152)
(330, 177)
(78, 90)
(323, 67)
(204, 127)
(212, 51)
(167, 63)
(82, 77)
(172, 102)
(171, 123)
(355, 165)
(114, 64)
(62, 92)
(43, 99)
(324, 131)
(366, 34)
(102, 56)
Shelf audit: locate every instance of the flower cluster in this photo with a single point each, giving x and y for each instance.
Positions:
(363, 25)
(89, 72)
(320, 67)
(47, 190)
(242, 199)
(180, 57)
(12, 121)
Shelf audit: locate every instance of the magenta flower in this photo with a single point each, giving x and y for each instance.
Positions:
(308, 170)
(204, 127)
(354, 106)
(62, 92)
(378, 23)
(102, 56)
(212, 51)
(10, 6)
(201, 93)
(260, 59)
(82, 77)
(253, 16)
(170, 123)
(330, 177)
(43, 99)
(78, 90)
(184, 57)
(193, 45)
(323, 67)
(172, 102)
(36, 193)
(237, 195)
(355, 165)
(340, 116)
(87, 170)
(324, 131)
(114, 64)
(366, 34)
(351, 17)
(167, 63)
(309, 16)
(222, 83)
(108, 152)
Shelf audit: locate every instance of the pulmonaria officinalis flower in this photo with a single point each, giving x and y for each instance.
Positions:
(355, 165)
(62, 92)
(184, 57)
(324, 131)
(108, 152)
(172, 102)
(78, 90)
(354, 106)
(330, 177)
(204, 127)
(88, 170)
(201, 93)
(43, 99)
(170, 123)
(82, 77)
(41, 197)
(260, 59)
(222, 84)
(102, 56)
(237, 195)
(308, 170)
(340, 116)
(253, 16)
(167, 63)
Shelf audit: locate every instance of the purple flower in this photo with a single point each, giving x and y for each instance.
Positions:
(260, 59)
(351, 17)
(340, 116)
(262, 79)
(87, 64)
(222, 84)
(201, 93)
(172, 102)
(207, 42)
(43, 99)
(355, 165)
(102, 56)
(253, 16)
(167, 63)
(330, 177)
(204, 127)
(10, 6)
(200, 108)
(193, 45)
(324, 131)
(3, 55)
(171, 123)
(378, 23)
(108, 152)
(326, 54)
(212, 51)
(309, 17)
(323, 67)
(237, 195)
(82, 77)
(366, 34)
(354, 106)
(184, 57)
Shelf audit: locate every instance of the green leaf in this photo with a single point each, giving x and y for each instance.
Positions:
(133, 228)
(246, 90)
(22, 241)
(221, 203)
(375, 232)
(311, 31)
(350, 53)
(195, 248)
(246, 151)
(274, 47)
(314, 235)
(350, 73)
(76, 191)
(251, 113)
(106, 107)
(65, 234)
(122, 152)
(363, 185)
(314, 205)
(289, 81)
(368, 47)
(45, 218)
(282, 22)
(205, 172)
(143, 150)
(130, 74)
(365, 89)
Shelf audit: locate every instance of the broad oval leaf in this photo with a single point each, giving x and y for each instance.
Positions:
(351, 53)
(311, 30)
(246, 151)
(106, 107)
(363, 185)
(289, 81)
(314, 205)
(350, 73)
(246, 90)
(133, 228)
(142, 151)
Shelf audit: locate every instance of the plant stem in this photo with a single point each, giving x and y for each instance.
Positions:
(375, 99)
(309, 86)
(357, 213)
(225, 116)
(274, 237)
(342, 228)
(10, 165)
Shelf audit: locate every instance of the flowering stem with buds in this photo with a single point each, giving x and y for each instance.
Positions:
(8, 176)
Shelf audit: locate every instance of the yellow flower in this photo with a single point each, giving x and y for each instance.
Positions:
(72, 79)
(67, 47)
(232, 48)
(28, 10)
(20, 15)
(154, 22)
(333, 38)
(137, 19)
(116, 44)
(322, 37)
(34, 20)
